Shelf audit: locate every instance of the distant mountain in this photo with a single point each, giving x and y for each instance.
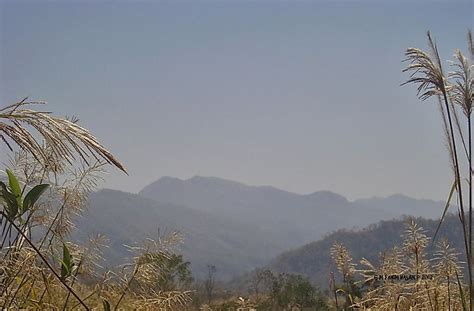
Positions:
(313, 260)
(399, 204)
(298, 218)
(126, 218)
(231, 225)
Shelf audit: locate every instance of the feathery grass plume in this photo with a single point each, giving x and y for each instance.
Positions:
(447, 268)
(426, 70)
(140, 280)
(65, 137)
(462, 83)
(343, 260)
(407, 279)
(414, 245)
(38, 267)
(455, 91)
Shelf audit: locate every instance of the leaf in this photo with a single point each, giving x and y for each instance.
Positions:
(66, 263)
(32, 196)
(106, 305)
(13, 182)
(453, 187)
(12, 204)
(14, 186)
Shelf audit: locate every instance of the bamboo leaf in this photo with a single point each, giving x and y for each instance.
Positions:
(15, 188)
(11, 203)
(66, 263)
(32, 196)
(13, 183)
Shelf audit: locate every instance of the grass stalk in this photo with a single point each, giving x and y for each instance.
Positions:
(45, 261)
(461, 202)
(126, 287)
(470, 211)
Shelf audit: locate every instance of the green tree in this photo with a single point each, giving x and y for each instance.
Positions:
(289, 290)
(175, 273)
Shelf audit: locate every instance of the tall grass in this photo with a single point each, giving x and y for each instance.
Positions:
(405, 277)
(454, 91)
(55, 164)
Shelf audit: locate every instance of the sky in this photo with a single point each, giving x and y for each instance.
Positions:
(301, 95)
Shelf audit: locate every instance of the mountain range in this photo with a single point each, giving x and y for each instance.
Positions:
(233, 226)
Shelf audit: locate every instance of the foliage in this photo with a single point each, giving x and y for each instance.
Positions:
(55, 165)
(175, 273)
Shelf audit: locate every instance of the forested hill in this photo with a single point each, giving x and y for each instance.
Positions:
(313, 260)
(129, 219)
(293, 219)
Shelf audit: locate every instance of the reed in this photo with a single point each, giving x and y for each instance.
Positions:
(454, 91)
(55, 163)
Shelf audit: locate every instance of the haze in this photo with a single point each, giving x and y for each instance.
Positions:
(303, 96)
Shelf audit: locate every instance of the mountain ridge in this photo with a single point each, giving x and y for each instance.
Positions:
(128, 219)
(197, 178)
(223, 219)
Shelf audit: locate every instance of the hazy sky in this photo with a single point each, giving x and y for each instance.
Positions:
(304, 96)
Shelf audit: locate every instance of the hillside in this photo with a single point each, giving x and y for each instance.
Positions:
(313, 259)
(126, 218)
(299, 218)
(231, 225)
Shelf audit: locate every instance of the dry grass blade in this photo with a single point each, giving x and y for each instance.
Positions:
(461, 291)
(446, 207)
(45, 261)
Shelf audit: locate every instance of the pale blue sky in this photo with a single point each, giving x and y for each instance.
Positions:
(304, 96)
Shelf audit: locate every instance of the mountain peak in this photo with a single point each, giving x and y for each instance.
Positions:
(327, 195)
(400, 196)
(169, 179)
(210, 180)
